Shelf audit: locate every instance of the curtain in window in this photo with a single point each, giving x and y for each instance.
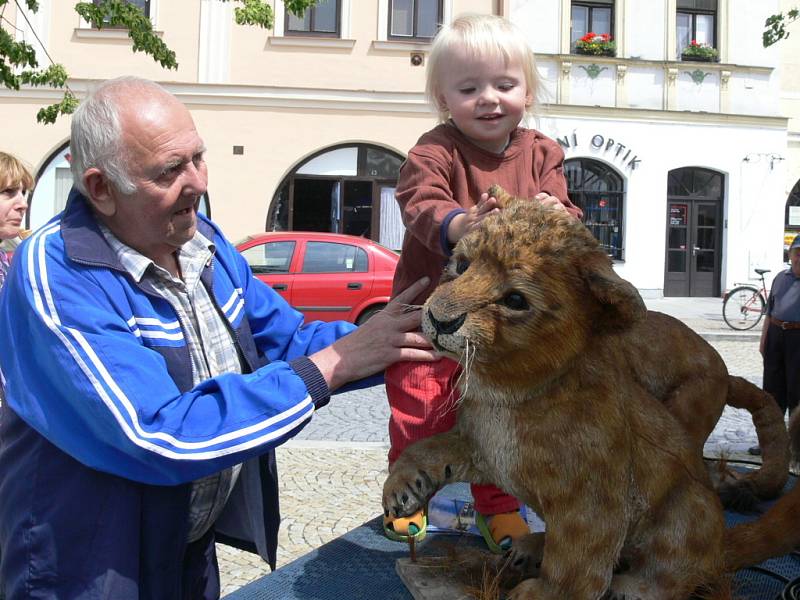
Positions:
(403, 17)
(704, 29)
(62, 188)
(580, 22)
(392, 228)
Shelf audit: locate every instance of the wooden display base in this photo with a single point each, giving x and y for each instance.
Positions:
(427, 581)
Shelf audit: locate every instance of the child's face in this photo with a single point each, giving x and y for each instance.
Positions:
(486, 97)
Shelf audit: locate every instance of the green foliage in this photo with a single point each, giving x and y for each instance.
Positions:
(258, 12)
(775, 26)
(118, 13)
(18, 64)
(67, 106)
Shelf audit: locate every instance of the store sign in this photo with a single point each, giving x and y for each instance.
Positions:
(607, 145)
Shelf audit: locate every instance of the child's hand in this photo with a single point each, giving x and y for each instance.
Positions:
(549, 201)
(467, 221)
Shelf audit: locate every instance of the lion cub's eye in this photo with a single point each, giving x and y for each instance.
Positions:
(462, 265)
(515, 301)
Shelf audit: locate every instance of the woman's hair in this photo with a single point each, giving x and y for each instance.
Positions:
(14, 173)
(481, 35)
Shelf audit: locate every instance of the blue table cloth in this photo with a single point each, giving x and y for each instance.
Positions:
(361, 565)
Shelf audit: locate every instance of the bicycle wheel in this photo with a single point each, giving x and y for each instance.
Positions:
(743, 307)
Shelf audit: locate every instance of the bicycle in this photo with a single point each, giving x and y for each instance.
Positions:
(745, 304)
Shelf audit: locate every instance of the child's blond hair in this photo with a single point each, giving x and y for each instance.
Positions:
(481, 35)
(14, 173)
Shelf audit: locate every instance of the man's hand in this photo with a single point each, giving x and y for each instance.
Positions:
(465, 222)
(389, 336)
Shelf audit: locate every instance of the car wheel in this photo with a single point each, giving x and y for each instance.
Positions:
(365, 316)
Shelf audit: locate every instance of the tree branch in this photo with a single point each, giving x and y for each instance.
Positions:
(775, 27)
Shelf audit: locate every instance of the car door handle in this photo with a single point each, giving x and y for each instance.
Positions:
(280, 287)
(354, 286)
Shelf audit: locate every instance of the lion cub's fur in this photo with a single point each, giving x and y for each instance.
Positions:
(573, 400)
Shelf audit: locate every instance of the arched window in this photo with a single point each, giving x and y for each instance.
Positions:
(53, 183)
(598, 190)
(344, 189)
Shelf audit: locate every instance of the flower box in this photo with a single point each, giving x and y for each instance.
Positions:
(691, 57)
(699, 53)
(596, 44)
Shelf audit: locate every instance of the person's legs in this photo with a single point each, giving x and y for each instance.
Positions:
(200, 570)
(422, 401)
(791, 367)
(774, 366)
(774, 372)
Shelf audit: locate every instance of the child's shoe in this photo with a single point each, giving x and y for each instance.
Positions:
(400, 529)
(500, 530)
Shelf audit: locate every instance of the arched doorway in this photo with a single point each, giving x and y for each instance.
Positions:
(791, 219)
(342, 189)
(598, 189)
(694, 232)
(53, 183)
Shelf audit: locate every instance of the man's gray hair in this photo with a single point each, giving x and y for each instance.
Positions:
(96, 136)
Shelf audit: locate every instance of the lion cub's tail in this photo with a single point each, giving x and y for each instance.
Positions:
(767, 482)
(776, 532)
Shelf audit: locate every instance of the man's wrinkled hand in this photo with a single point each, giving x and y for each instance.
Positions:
(389, 336)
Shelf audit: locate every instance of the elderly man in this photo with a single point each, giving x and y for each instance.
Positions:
(780, 337)
(149, 374)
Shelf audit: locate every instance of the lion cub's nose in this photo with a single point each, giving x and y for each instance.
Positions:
(446, 327)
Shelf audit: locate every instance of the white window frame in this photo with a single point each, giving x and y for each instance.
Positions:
(345, 6)
(383, 22)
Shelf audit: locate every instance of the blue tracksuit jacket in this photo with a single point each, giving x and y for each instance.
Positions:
(102, 431)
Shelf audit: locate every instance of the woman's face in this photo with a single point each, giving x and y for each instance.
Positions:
(12, 211)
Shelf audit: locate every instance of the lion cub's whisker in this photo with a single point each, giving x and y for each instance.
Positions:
(466, 364)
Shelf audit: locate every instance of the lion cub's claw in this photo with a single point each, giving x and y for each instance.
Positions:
(525, 555)
(405, 493)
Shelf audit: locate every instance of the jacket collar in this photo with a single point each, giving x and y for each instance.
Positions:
(85, 243)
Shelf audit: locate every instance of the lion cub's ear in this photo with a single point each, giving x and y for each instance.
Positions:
(619, 298)
(502, 196)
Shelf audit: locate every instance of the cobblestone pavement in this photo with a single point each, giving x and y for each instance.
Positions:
(331, 474)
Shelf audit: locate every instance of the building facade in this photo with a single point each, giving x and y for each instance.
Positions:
(684, 156)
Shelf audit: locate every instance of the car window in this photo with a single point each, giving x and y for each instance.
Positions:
(328, 257)
(272, 257)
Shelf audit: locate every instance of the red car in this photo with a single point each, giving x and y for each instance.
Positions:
(326, 276)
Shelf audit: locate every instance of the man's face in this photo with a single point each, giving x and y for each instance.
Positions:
(164, 159)
(794, 258)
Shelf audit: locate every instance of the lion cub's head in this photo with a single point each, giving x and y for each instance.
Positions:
(524, 294)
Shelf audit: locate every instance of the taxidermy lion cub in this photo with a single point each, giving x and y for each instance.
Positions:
(590, 411)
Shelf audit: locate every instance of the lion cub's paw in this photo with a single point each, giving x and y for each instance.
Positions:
(525, 555)
(408, 489)
(627, 587)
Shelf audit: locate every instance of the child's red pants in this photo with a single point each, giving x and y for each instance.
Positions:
(423, 402)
